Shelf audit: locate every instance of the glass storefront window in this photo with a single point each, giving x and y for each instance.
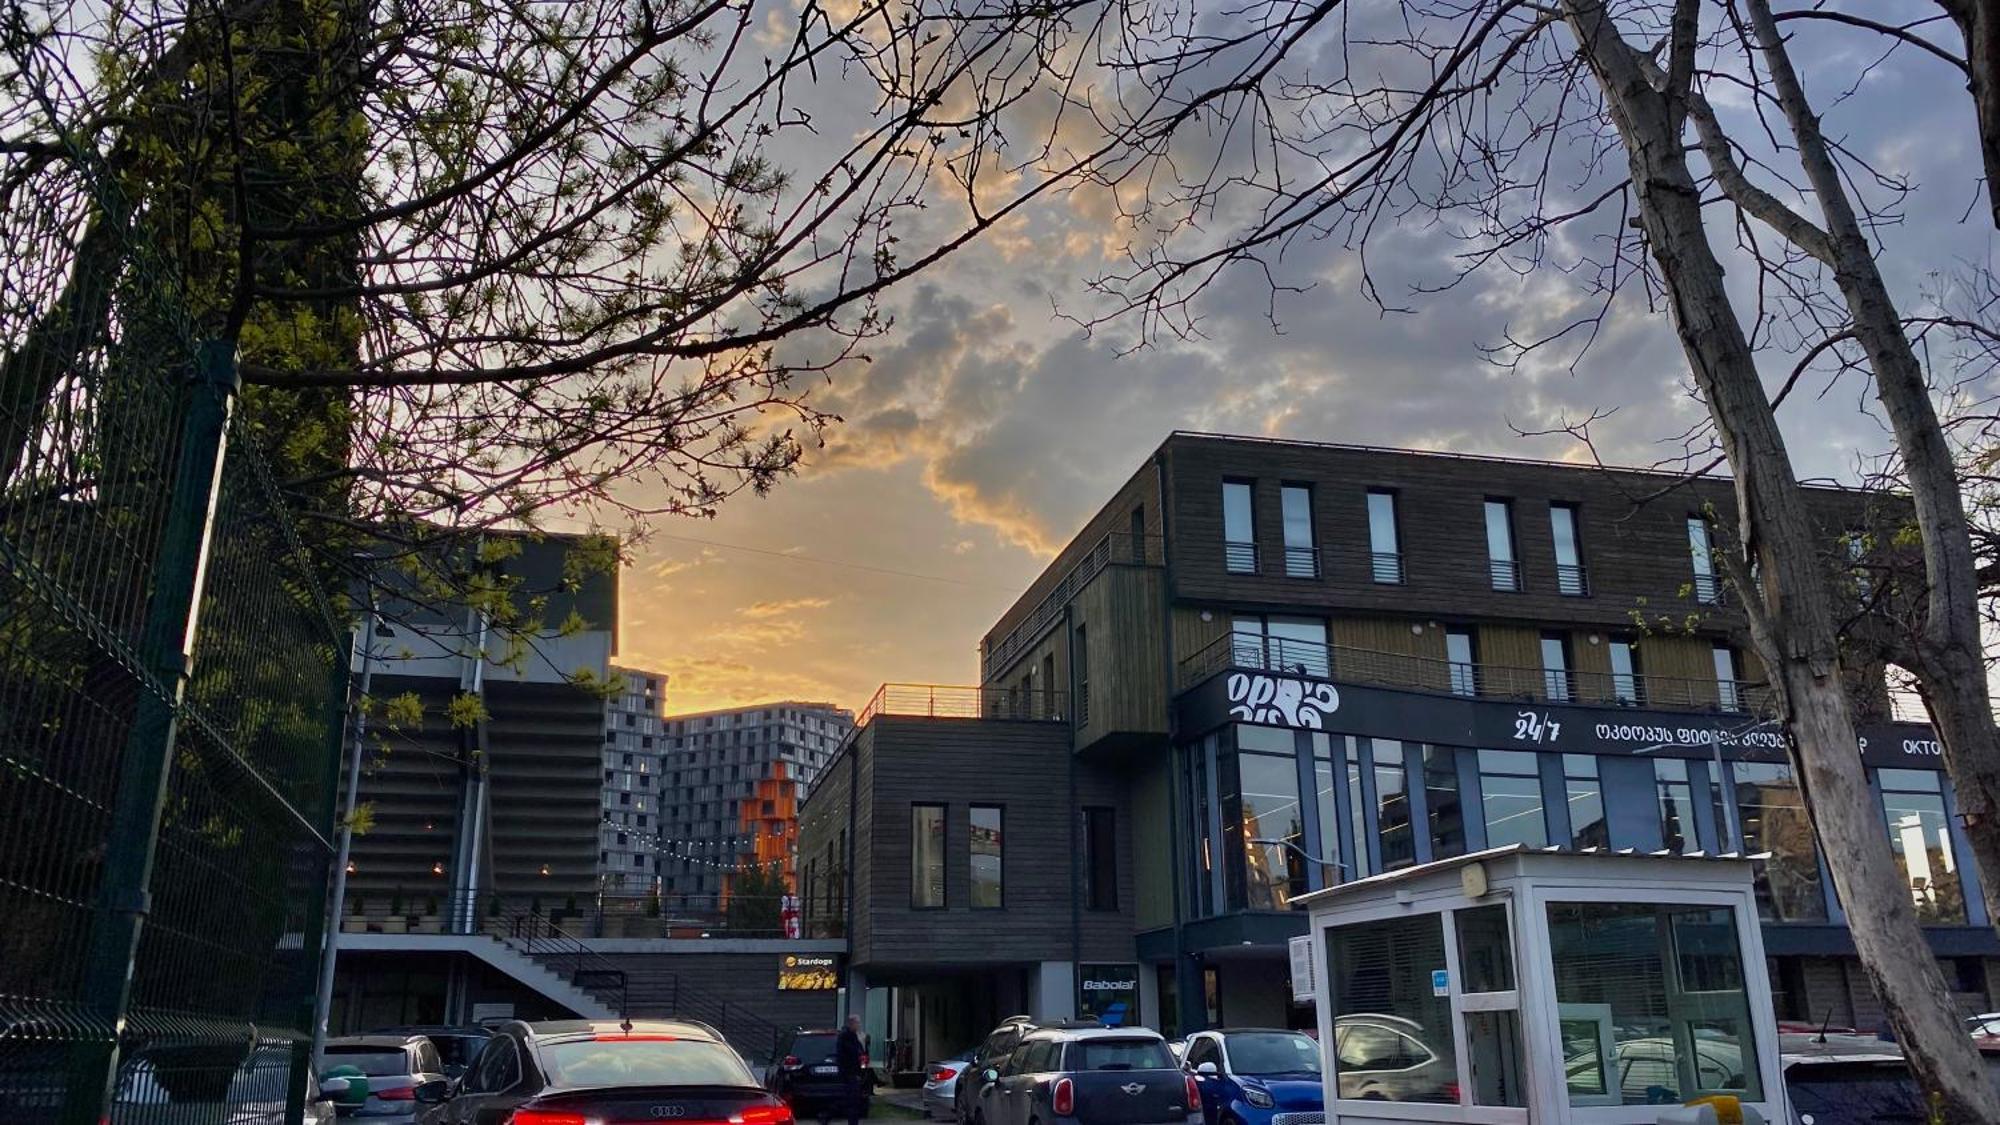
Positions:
(1510, 784)
(1392, 805)
(1271, 810)
(926, 857)
(1913, 800)
(1326, 783)
(1651, 1003)
(1392, 1033)
(1772, 817)
(1357, 810)
(1441, 800)
(1676, 801)
(1584, 793)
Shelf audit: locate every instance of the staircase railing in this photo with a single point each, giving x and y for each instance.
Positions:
(667, 994)
(565, 955)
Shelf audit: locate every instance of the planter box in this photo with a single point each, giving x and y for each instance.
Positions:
(390, 926)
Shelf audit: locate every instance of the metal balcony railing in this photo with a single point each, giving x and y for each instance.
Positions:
(1572, 582)
(1506, 575)
(1387, 567)
(1119, 547)
(1708, 589)
(1478, 680)
(1302, 562)
(941, 701)
(1239, 557)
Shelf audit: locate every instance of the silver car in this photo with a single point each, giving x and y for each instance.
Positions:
(941, 1085)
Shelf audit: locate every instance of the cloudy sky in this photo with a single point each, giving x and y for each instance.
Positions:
(989, 425)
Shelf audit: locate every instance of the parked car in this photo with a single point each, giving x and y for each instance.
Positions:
(564, 1071)
(941, 1084)
(1087, 1076)
(991, 1053)
(1848, 1080)
(384, 1073)
(1384, 1057)
(807, 1075)
(1646, 1071)
(1256, 1076)
(458, 1047)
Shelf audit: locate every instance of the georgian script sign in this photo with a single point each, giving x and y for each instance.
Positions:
(1256, 697)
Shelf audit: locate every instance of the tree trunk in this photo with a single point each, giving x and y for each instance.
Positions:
(1949, 659)
(1792, 620)
(1979, 22)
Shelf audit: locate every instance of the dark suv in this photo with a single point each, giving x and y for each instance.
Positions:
(990, 1054)
(1087, 1076)
(807, 1075)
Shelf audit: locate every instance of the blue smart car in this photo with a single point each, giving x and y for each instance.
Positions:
(1256, 1076)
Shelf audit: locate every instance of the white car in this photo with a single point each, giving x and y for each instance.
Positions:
(941, 1085)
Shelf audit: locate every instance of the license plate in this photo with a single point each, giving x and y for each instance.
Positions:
(826, 1070)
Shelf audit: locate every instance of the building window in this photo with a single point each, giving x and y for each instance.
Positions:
(1584, 795)
(1301, 555)
(1384, 544)
(927, 857)
(1570, 578)
(1138, 534)
(1555, 668)
(1676, 799)
(1510, 785)
(1326, 784)
(1392, 805)
(1625, 672)
(1913, 800)
(1100, 859)
(1239, 537)
(1701, 553)
(1772, 814)
(1442, 802)
(1502, 566)
(1269, 817)
(1624, 973)
(1079, 658)
(1281, 644)
(1728, 692)
(1357, 810)
(1464, 665)
(1390, 1018)
(985, 825)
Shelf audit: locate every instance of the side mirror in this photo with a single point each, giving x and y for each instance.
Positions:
(1208, 1070)
(989, 1076)
(434, 1092)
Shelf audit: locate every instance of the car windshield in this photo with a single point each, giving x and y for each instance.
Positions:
(458, 1050)
(1263, 1053)
(813, 1049)
(371, 1061)
(1854, 1093)
(641, 1061)
(1120, 1054)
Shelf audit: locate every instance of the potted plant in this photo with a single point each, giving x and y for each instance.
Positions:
(357, 924)
(432, 922)
(395, 923)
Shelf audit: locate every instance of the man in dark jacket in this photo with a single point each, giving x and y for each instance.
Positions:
(850, 1053)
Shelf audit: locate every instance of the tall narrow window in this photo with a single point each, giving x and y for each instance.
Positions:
(1246, 641)
(1392, 805)
(1585, 796)
(1624, 671)
(1301, 553)
(1079, 658)
(1772, 813)
(1384, 544)
(1501, 563)
(985, 822)
(1138, 535)
(1052, 706)
(1464, 666)
(1555, 668)
(1297, 645)
(927, 857)
(1727, 680)
(1676, 799)
(1701, 553)
(1357, 811)
(1570, 578)
(1271, 819)
(1239, 537)
(1913, 800)
(1442, 802)
(1510, 784)
(1100, 859)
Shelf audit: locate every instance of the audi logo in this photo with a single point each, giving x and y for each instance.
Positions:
(668, 1112)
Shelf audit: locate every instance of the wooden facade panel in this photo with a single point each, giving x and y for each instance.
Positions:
(1192, 635)
(1120, 615)
(1508, 646)
(1401, 637)
(1152, 841)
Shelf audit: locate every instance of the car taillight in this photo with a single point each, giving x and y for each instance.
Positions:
(398, 1094)
(545, 1117)
(790, 1060)
(763, 1115)
(943, 1073)
(1451, 1093)
(1193, 1092)
(1065, 1097)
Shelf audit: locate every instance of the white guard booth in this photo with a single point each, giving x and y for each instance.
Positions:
(1558, 988)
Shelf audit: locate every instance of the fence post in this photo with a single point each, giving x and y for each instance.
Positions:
(167, 648)
(323, 911)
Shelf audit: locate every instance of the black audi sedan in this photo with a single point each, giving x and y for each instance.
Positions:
(580, 1072)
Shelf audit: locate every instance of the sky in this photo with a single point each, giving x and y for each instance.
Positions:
(987, 424)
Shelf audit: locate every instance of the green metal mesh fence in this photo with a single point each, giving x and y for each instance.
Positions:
(164, 822)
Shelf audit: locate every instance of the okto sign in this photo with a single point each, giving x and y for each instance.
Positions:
(1258, 698)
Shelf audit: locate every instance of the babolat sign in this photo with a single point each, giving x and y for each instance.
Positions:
(808, 972)
(1308, 703)
(1108, 994)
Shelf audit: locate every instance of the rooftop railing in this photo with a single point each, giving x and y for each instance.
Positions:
(1120, 547)
(1474, 680)
(941, 701)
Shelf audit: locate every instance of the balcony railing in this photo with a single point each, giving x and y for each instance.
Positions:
(1122, 547)
(1302, 562)
(1506, 574)
(940, 701)
(1387, 567)
(1708, 589)
(1239, 557)
(1484, 681)
(1572, 582)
